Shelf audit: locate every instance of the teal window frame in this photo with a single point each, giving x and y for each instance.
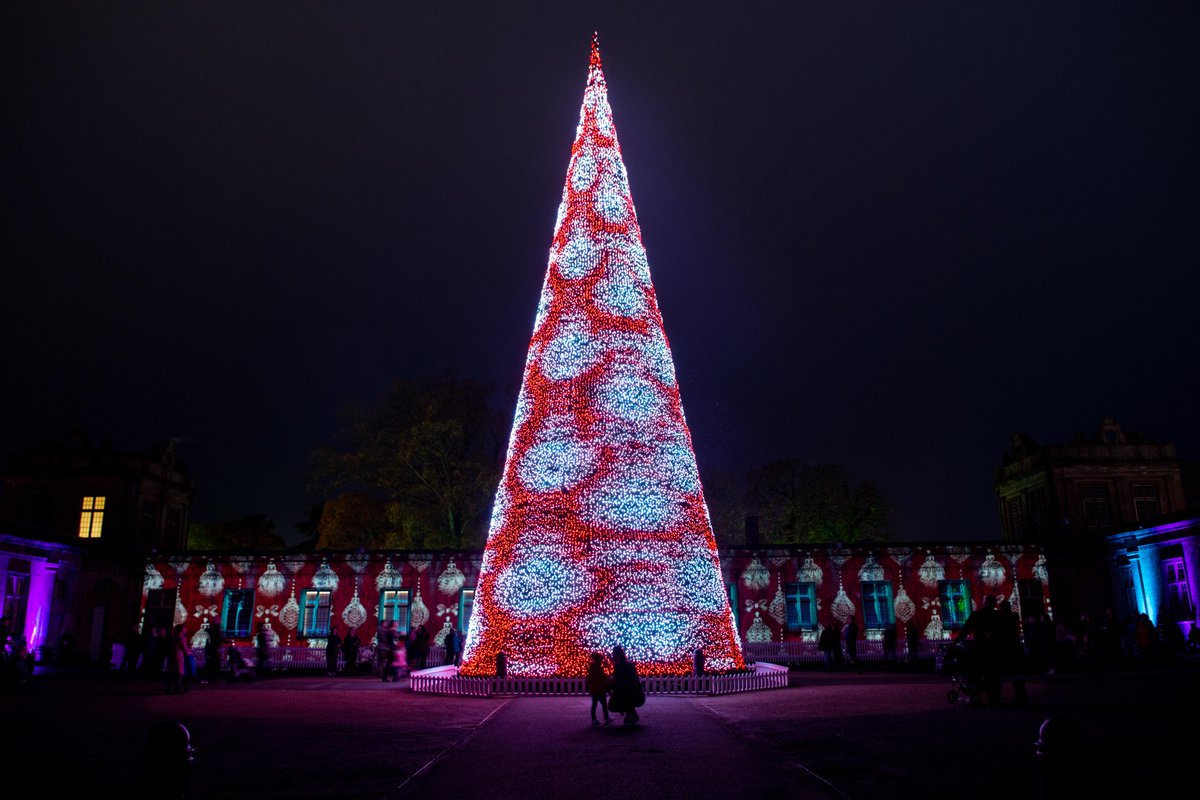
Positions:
(466, 604)
(396, 605)
(955, 599)
(237, 612)
(801, 606)
(316, 612)
(878, 610)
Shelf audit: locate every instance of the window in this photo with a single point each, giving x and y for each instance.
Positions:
(1129, 589)
(394, 605)
(466, 602)
(1179, 595)
(314, 612)
(1095, 505)
(1037, 510)
(955, 597)
(1029, 595)
(801, 606)
(1145, 500)
(15, 600)
(238, 613)
(878, 612)
(160, 609)
(91, 518)
(1016, 522)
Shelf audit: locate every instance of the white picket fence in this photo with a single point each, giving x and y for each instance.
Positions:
(446, 680)
(806, 652)
(302, 657)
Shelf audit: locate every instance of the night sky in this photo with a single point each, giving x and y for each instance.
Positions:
(885, 235)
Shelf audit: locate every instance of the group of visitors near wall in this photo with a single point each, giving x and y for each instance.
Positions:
(838, 645)
(622, 693)
(16, 662)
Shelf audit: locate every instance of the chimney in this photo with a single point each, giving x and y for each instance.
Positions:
(752, 531)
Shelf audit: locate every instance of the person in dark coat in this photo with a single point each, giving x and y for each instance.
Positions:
(1011, 650)
(981, 629)
(453, 646)
(213, 653)
(889, 646)
(333, 645)
(385, 649)
(627, 692)
(827, 642)
(850, 635)
(165, 764)
(350, 647)
(262, 649)
(422, 647)
(177, 663)
(597, 686)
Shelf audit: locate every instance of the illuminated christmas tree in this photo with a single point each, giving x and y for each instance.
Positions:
(600, 534)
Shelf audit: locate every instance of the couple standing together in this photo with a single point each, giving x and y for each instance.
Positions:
(625, 686)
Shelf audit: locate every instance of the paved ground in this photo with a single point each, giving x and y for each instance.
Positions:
(827, 736)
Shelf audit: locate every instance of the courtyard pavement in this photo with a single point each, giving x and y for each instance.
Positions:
(829, 735)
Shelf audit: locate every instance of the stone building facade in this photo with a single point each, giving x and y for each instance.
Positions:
(77, 521)
(1067, 498)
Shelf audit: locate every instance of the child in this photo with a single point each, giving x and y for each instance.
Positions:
(597, 686)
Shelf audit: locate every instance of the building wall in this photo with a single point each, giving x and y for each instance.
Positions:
(86, 586)
(1143, 563)
(758, 581)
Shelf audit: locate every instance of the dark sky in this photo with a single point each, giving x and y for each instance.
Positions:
(886, 235)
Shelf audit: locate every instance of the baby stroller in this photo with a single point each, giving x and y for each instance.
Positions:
(239, 670)
(961, 664)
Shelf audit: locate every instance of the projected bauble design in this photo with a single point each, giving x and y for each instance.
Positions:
(599, 535)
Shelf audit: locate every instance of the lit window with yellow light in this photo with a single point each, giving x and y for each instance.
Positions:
(91, 518)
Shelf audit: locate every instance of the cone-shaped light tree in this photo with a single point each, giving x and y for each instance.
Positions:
(600, 534)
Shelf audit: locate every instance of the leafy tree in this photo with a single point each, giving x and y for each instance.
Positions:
(824, 503)
(251, 532)
(353, 519)
(725, 494)
(430, 452)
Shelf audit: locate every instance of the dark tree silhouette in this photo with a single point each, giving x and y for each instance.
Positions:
(251, 532)
(824, 503)
(430, 452)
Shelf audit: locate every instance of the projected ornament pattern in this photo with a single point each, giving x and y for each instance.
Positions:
(600, 534)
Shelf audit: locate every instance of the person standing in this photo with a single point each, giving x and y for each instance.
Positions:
(452, 646)
(1011, 651)
(385, 643)
(149, 650)
(981, 628)
(826, 643)
(262, 649)
(627, 693)
(422, 648)
(333, 645)
(213, 653)
(177, 662)
(350, 651)
(597, 687)
(850, 635)
(889, 646)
